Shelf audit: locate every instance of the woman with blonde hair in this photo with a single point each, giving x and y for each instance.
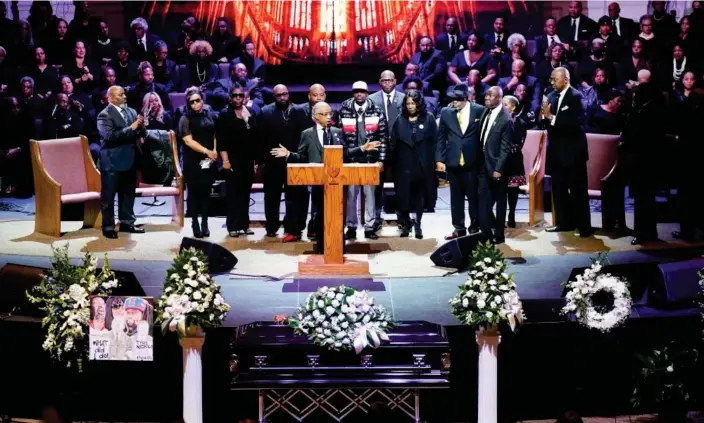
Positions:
(202, 72)
(155, 117)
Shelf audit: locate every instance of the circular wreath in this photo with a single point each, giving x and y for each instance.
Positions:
(342, 318)
(598, 301)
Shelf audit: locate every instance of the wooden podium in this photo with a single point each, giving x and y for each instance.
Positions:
(333, 175)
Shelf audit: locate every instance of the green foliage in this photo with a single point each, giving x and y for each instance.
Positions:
(667, 376)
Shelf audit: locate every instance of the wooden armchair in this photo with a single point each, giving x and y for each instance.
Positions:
(175, 190)
(603, 180)
(534, 152)
(64, 173)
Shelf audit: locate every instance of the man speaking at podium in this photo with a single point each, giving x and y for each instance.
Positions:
(310, 150)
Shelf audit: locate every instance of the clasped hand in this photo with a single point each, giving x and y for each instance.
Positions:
(137, 123)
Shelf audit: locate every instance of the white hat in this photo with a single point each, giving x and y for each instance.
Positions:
(360, 85)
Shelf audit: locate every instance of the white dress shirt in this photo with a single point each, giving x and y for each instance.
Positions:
(493, 114)
(465, 117)
(553, 39)
(617, 26)
(559, 103)
(321, 135)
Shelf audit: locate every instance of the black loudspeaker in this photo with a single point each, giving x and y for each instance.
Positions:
(457, 252)
(220, 260)
(680, 283)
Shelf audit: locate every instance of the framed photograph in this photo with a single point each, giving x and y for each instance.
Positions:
(121, 328)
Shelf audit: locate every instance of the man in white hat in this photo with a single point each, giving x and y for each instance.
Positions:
(362, 121)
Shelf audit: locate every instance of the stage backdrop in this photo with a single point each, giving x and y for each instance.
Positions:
(340, 31)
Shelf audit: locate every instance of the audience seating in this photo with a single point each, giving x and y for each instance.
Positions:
(177, 100)
(176, 190)
(64, 173)
(223, 70)
(602, 179)
(534, 152)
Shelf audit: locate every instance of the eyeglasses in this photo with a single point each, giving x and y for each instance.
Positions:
(237, 95)
(194, 101)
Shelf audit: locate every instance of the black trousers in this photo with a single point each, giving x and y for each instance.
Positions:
(239, 187)
(569, 190)
(644, 220)
(689, 200)
(274, 178)
(497, 195)
(463, 185)
(123, 184)
(410, 197)
(198, 199)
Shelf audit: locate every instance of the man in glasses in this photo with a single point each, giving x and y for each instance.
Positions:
(281, 123)
(238, 76)
(310, 151)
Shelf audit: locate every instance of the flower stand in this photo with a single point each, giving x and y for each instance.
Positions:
(192, 345)
(488, 340)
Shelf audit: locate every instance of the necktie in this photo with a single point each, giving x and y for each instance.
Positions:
(326, 137)
(391, 112)
(574, 28)
(459, 120)
(551, 40)
(613, 24)
(498, 39)
(123, 113)
(452, 41)
(485, 127)
(141, 44)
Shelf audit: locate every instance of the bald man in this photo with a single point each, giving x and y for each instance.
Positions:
(316, 94)
(623, 27)
(120, 130)
(520, 76)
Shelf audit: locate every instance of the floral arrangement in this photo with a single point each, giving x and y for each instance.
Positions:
(191, 299)
(598, 300)
(489, 296)
(341, 318)
(64, 295)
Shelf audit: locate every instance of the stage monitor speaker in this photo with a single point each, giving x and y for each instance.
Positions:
(220, 260)
(456, 253)
(679, 284)
(15, 281)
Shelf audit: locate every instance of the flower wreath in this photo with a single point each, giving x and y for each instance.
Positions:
(340, 318)
(598, 300)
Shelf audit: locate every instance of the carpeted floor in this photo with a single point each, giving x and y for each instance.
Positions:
(389, 256)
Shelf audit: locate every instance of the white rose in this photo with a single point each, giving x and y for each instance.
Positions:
(489, 314)
(327, 332)
(339, 297)
(188, 290)
(197, 295)
(329, 310)
(319, 330)
(670, 369)
(465, 303)
(321, 304)
(316, 314)
(490, 270)
(366, 319)
(479, 274)
(335, 303)
(492, 282)
(344, 325)
(330, 294)
(324, 289)
(481, 304)
(497, 299)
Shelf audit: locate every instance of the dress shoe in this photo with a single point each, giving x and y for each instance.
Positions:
(204, 229)
(371, 235)
(246, 232)
(311, 235)
(454, 235)
(405, 231)
(291, 238)
(498, 240)
(473, 230)
(511, 220)
(132, 229)
(110, 234)
(418, 231)
(233, 234)
(586, 233)
(351, 234)
(682, 236)
(638, 240)
(558, 229)
(271, 234)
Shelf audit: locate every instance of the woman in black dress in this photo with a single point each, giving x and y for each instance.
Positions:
(197, 128)
(514, 167)
(413, 140)
(237, 132)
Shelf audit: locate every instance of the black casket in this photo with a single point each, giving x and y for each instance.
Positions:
(294, 376)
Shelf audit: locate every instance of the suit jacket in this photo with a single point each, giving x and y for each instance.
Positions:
(587, 29)
(541, 46)
(442, 43)
(497, 147)
(490, 41)
(137, 53)
(308, 110)
(567, 142)
(532, 84)
(451, 140)
(629, 29)
(310, 148)
(118, 142)
(432, 70)
(258, 68)
(379, 98)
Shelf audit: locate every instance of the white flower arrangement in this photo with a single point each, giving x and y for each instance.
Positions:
(341, 318)
(489, 296)
(191, 298)
(605, 314)
(64, 295)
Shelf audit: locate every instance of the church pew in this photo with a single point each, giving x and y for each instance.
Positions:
(64, 173)
(534, 151)
(176, 190)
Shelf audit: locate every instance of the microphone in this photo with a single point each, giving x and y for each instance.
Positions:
(53, 112)
(328, 131)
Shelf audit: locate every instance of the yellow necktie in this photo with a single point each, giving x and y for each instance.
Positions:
(459, 120)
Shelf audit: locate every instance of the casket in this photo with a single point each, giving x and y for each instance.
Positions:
(269, 358)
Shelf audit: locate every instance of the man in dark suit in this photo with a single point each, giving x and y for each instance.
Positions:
(451, 41)
(458, 154)
(316, 94)
(431, 64)
(255, 67)
(495, 136)
(623, 27)
(311, 150)
(542, 42)
(120, 130)
(567, 155)
(576, 29)
(141, 42)
(495, 41)
(520, 76)
(238, 76)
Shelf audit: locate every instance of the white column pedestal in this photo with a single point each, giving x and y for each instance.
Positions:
(192, 377)
(488, 341)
